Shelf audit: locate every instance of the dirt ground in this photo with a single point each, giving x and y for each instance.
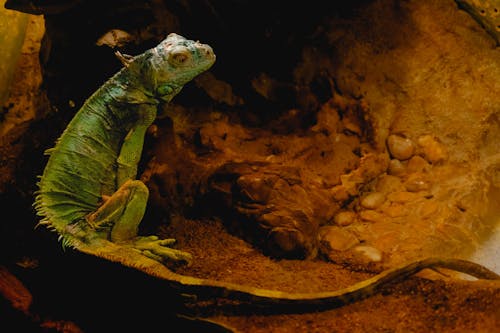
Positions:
(387, 153)
(414, 305)
(112, 302)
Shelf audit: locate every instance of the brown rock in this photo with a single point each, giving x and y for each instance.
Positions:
(400, 147)
(345, 218)
(417, 164)
(433, 150)
(336, 238)
(372, 200)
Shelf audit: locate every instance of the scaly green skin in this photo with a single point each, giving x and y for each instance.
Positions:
(89, 195)
(88, 188)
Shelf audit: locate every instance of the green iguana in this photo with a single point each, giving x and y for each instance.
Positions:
(89, 195)
(88, 188)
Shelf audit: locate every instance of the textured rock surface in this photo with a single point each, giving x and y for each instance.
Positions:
(423, 91)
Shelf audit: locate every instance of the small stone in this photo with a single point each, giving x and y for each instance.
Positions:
(369, 252)
(338, 239)
(417, 164)
(344, 218)
(400, 147)
(396, 167)
(373, 200)
(433, 150)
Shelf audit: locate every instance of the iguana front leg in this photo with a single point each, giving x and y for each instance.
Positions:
(131, 149)
(123, 212)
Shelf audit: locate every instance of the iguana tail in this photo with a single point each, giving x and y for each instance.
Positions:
(205, 289)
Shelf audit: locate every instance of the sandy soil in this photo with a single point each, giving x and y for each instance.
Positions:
(414, 305)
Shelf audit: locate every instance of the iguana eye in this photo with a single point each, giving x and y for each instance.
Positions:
(179, 57)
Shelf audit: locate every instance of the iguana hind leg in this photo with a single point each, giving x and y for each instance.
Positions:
(123, 212)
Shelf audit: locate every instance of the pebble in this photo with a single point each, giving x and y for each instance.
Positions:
(396, 167)
(337, 238)
(400, 147)
(369, 252)
(373, 200)
(345, 218)
(433, 150)
(417, 164)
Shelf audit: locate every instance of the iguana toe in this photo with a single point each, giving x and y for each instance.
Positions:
(151, 255)
(158, 249)
(175, 255)
(168, 254)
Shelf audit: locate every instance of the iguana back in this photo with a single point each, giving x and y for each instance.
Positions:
(82, 165)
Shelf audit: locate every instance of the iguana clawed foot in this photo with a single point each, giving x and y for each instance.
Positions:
(159, 250)
(123, 210)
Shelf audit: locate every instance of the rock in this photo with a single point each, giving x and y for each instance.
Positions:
(396, 167)
(369, 252)
(336, 238)
(400, 147)
(432, 150)
(417, 164)
(345, 218)
(373, 200)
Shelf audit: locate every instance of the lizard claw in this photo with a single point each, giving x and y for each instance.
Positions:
(158, 249)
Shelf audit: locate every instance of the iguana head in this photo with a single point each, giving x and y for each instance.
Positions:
(176, 61)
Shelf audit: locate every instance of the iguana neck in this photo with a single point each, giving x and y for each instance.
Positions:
(126, 87)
